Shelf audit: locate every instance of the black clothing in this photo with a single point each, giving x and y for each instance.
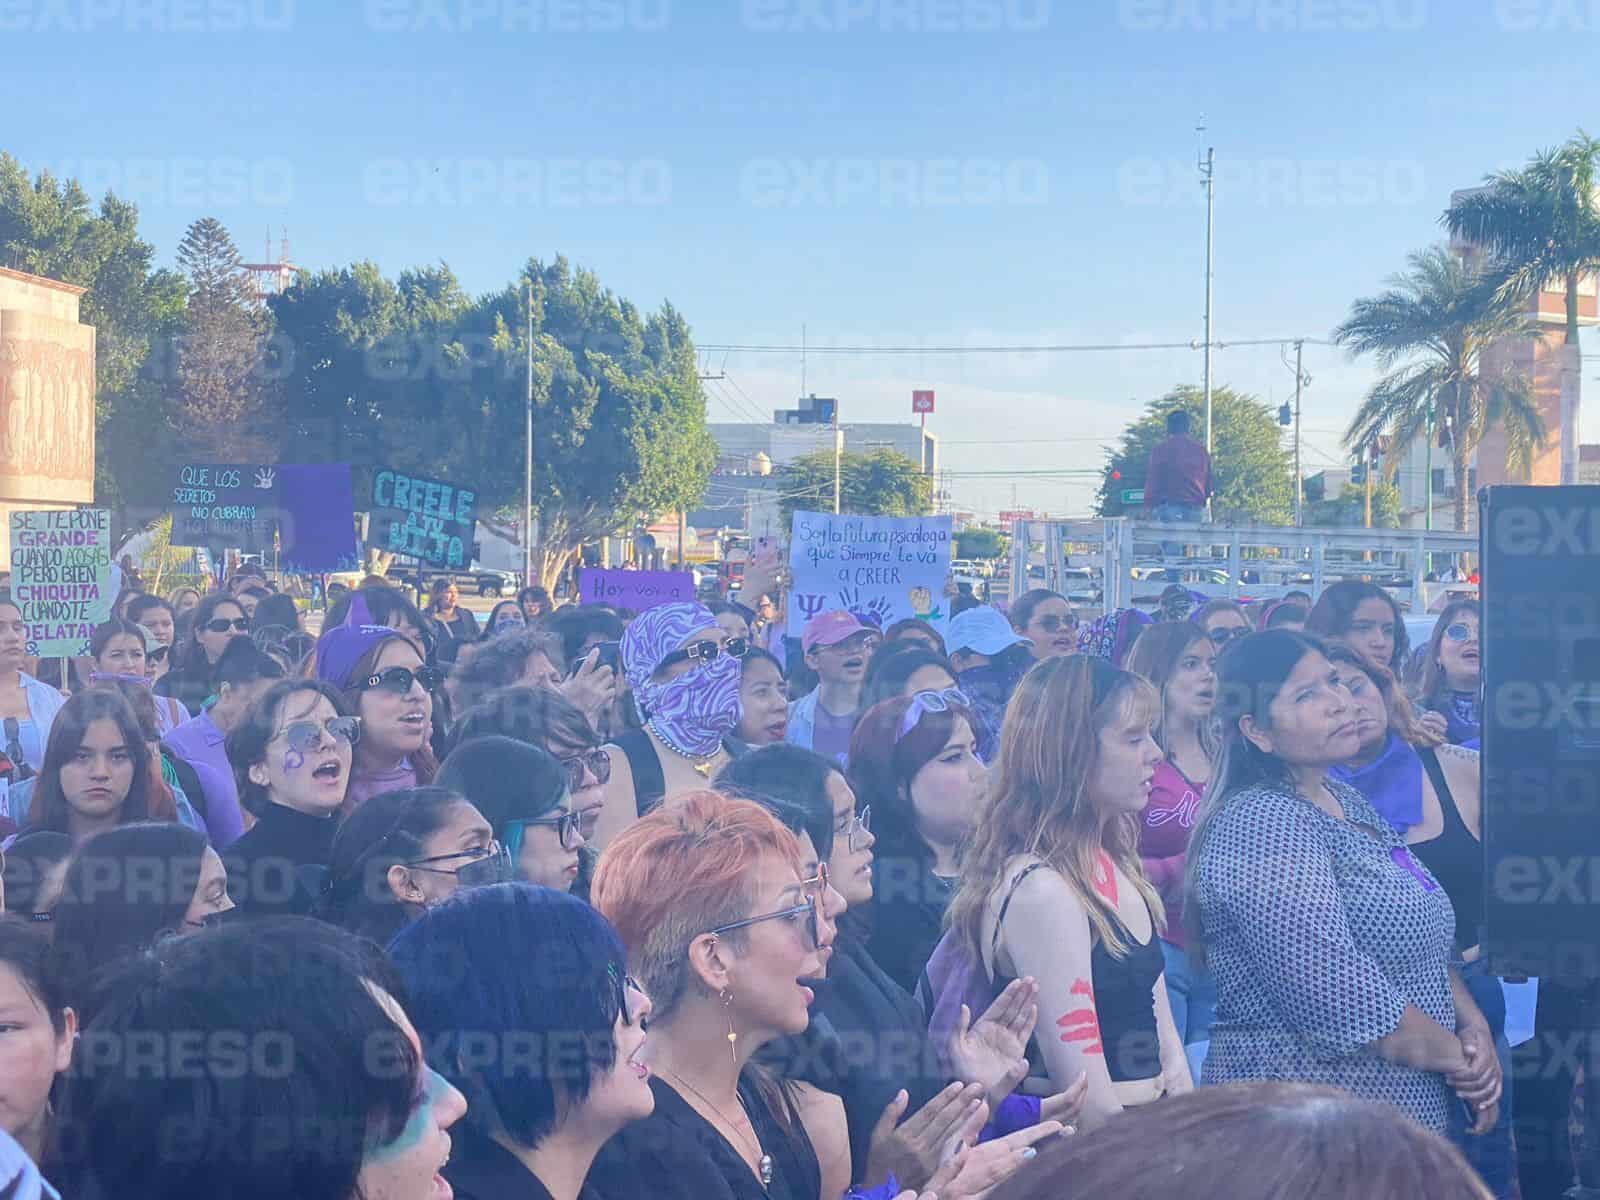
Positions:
(676, 1154)
(481, 1169)
(907, 914)
(460, 630)
(189, 682)
(1455, 857)
(649, 777)
(275, 868)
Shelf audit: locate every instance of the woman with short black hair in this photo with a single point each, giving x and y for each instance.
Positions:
(523, 792)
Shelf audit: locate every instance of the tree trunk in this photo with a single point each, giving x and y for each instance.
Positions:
(1459, 469)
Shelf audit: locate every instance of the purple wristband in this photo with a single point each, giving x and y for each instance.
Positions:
(1015, 1112)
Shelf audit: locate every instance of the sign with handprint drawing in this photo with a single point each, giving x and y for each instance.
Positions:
(244, 506)
(882, 569)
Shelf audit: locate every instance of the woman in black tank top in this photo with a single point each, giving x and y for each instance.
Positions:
(1052, 887)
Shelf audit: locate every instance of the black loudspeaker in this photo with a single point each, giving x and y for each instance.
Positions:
(1541, 729)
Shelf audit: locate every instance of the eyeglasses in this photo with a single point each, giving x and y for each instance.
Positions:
(815, 887)
(1054, 624)
(14, 751)
(491, 864)
(930, 702)
(1221, 637)
(626, 987)
(1460, 631)
(856, 643)
(399, 679)
(706, 652)
(596, 762)
(222, 625)
(305, 736)
(569, 824)
(860, 826)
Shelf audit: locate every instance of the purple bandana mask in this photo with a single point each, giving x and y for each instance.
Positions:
(695, 711)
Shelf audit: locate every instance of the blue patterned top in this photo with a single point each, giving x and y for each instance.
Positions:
(1320, 933)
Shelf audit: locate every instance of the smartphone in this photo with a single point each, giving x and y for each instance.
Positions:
(610, 656)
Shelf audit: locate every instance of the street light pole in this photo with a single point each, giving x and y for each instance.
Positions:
(527, 496)
(1207, 172)
(1299, 381)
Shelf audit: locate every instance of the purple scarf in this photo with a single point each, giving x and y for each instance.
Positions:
(1392, 783)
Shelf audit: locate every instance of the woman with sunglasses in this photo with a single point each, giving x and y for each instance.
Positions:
(27, 707)
(1222, 620)
(1451, 686)
(124, 889)
(723, 930)
(535, 1121)
(384, 681)
(524, 794)
(291, 758)
(218, 620)
(913, 761)
(1180, 661)
(402, 853)
(684, 672)
(1046, 619)
(1052, 888)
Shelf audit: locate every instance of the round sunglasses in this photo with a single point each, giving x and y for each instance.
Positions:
(596, 762)
(305, 736)
(1460, 631)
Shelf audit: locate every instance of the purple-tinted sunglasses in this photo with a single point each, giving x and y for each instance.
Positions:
(930, 702)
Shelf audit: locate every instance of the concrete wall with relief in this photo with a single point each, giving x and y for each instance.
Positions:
(46, 398)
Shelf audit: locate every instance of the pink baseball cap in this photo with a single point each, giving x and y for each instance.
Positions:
(830, 628)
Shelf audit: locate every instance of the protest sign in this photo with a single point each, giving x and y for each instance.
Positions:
(61, 578)
(882, 569)
(636, 590)
(217, 505)
(424, 518)
(316, 519)
(299, 515)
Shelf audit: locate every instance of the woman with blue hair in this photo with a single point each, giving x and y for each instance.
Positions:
(683, 669)
(546, 1044)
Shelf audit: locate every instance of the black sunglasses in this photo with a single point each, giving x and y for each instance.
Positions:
(399, 679)
(1053, 623)
(305, 736)
(222, 625)
(706, 652)
(1221, 637)
(597, 762)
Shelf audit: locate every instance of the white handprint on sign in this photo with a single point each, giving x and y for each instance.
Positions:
(265, 478)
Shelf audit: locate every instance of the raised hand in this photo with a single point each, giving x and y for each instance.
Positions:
(976, 1170)
(990, 1052)
(913, 1150)
(591, 688)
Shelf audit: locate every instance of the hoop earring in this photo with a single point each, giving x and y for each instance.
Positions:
(733, 1038)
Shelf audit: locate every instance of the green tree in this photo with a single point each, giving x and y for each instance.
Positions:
(1541, 224)
(980, 543)
(1349, 509)
(1253, 472)
(1434, 322)
(882, 483)
(49, 227)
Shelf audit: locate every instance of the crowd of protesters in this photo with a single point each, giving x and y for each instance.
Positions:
(681, 903)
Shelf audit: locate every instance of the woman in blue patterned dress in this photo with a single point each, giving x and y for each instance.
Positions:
(1330, 942)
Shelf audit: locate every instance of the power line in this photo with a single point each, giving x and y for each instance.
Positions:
(1078, 348)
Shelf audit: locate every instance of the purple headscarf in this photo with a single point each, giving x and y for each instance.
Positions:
(341, 648)
(695, 711)
(656, 633)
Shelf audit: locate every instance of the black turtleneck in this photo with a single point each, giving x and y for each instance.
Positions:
(267, 866)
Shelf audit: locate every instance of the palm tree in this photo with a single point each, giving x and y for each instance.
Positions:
(1435, 321)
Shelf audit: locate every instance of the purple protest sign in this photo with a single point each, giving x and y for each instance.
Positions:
(637, 590)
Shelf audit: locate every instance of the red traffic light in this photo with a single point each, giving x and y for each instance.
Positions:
(1116, 475)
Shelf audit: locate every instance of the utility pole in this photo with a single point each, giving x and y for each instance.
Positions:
(838, 447)
(527, 496)
(1427, 471)
(1372, 461)
(1299, 485)
(1207, 181)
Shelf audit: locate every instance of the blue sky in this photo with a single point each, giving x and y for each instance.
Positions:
(884, 172)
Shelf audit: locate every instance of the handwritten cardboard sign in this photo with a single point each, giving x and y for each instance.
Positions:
(424, 518)
(882, 569)
(636, 590)
(61, 578)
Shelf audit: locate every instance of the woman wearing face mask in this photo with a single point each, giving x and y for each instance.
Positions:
(721, 928)
(1331, 942)
(684, 672)
(40, 1028)
(1452, 675)
(400, 854)
(345, 1062)
(506, 617)
(218, 620)
(877, 1042)
(127, 887)
(1051, 886)
(534, 1124)
(27, 707)
(763, 704)
(913, 762)
(1181, 663)
(1222, 621)
(523, 793)
(383, 680)
(291, 757)
(97, 771)
(1046, 619)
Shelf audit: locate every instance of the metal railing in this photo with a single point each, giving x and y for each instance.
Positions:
(1120, 562)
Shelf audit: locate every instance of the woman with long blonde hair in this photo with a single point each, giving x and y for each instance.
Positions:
(1052, 887)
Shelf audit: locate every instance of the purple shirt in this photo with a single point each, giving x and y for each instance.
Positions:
(364, 785)
(199, 743)
(830, 736)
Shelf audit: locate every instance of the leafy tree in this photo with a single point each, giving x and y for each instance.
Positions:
(49, 227)
(882, 483)
(1349, 509)
(1253, 472)
(1435, 321)
(980, 543)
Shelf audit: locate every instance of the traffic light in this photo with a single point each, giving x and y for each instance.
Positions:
(1285, 414)
(1358, 473)
(1115, 476)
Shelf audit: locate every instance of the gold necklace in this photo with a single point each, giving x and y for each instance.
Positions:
(764, 1161)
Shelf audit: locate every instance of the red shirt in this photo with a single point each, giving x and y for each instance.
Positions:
(1179, 473)
(1164, 831)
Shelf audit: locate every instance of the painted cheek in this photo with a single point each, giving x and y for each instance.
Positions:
(434, 1088)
